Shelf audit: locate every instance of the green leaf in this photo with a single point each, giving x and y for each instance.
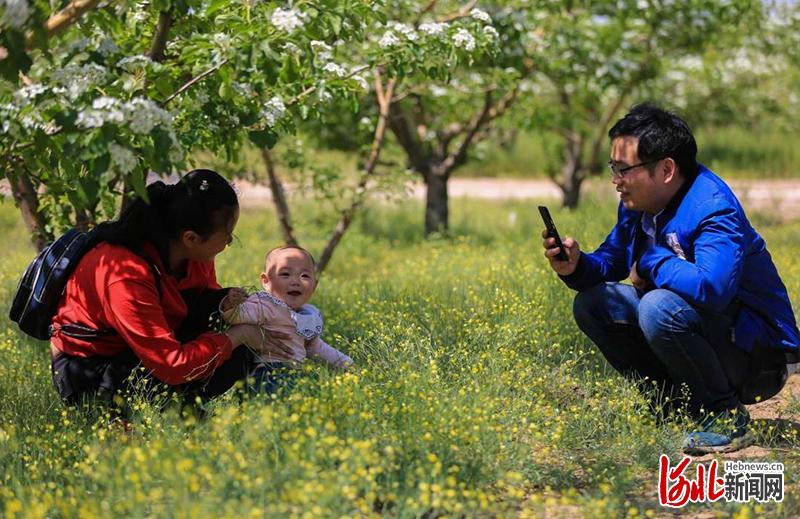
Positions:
(137, 181)
(263, 138)
(215, 6)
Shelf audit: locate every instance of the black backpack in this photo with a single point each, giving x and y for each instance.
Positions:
(45, 280)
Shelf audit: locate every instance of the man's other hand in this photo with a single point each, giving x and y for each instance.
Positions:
(638, 283)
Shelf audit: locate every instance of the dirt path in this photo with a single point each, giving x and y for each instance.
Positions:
(778, 198)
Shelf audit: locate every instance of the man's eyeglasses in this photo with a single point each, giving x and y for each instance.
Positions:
(618, 172)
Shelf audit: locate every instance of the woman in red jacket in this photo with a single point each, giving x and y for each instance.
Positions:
(149, 287)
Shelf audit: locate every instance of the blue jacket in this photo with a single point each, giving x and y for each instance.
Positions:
(707, 252)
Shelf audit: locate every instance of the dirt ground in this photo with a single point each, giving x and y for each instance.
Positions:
(778, 198)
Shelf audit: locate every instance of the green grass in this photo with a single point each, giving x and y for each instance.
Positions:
(475, 395)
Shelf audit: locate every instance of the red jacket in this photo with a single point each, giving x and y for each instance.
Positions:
(114, 288)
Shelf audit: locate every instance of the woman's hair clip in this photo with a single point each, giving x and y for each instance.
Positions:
(203, 185)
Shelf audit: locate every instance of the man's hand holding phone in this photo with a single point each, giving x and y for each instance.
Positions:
(551, 250)
(563, 255)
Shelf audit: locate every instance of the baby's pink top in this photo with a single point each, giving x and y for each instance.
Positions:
(304, 327)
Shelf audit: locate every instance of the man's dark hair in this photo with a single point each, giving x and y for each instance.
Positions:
(661, 134)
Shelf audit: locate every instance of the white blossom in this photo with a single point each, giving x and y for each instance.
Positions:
(462, 38)
(433, 29)
(246, 89)
(78, 45)
(291, 48)
(273, 111)
(26, 94)
(404, 29)
(389, 39)
(76, 79)
(437, 91)
(122, 159)
(15, 13)
(481, 15)
(222, 39)
(363, 83)
(201, 98)
(112, 107)
(321, 49)
(491, 32)
(131, 63)
(90, 119)
(287, 20)
(143, 115)
(335, 69)
(107, 47)
(320, 46)
(141, 13)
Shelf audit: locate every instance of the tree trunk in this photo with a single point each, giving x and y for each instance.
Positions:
(28, 202)
(436, 204)
(572, 192)
(572, 174)
(279, 199)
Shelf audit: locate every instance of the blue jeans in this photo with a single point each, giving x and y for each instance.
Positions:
(661, 336)
(271, 377)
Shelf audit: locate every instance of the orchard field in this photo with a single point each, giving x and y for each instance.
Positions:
(475, 394)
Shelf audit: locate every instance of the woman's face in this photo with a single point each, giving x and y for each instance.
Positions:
(207, 250)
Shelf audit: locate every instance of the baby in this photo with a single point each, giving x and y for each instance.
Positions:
(289, 281)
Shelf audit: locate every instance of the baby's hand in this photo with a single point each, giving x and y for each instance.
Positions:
(234, 298)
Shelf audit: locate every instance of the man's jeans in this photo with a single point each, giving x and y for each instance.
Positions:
(661, 336)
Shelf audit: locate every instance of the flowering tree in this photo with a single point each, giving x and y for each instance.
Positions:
(132, 87)
(596, 58)
(456, 70)
(749, 80)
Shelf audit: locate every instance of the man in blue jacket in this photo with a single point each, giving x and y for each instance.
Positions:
(705, 307)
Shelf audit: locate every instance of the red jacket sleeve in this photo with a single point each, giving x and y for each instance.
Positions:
(137, 315)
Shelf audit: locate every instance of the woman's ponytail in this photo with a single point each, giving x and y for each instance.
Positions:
(202, 201)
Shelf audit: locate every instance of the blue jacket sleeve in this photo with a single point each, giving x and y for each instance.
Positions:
(712, 279)
(609, 262)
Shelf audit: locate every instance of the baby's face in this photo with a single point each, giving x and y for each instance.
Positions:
(290, 277)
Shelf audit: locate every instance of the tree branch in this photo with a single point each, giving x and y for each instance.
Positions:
(279, 199)
(461, 13)
(186, 86)
(62, 19)
(428, 8)
(489, 113)
(165, 19)
(27, 199)
(384, 95)
(601, 134)
(401, 129)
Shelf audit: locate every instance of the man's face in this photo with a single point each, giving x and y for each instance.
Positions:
(290, 277)
(638, 189)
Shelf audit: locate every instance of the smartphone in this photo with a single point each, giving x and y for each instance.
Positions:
(552, 232)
